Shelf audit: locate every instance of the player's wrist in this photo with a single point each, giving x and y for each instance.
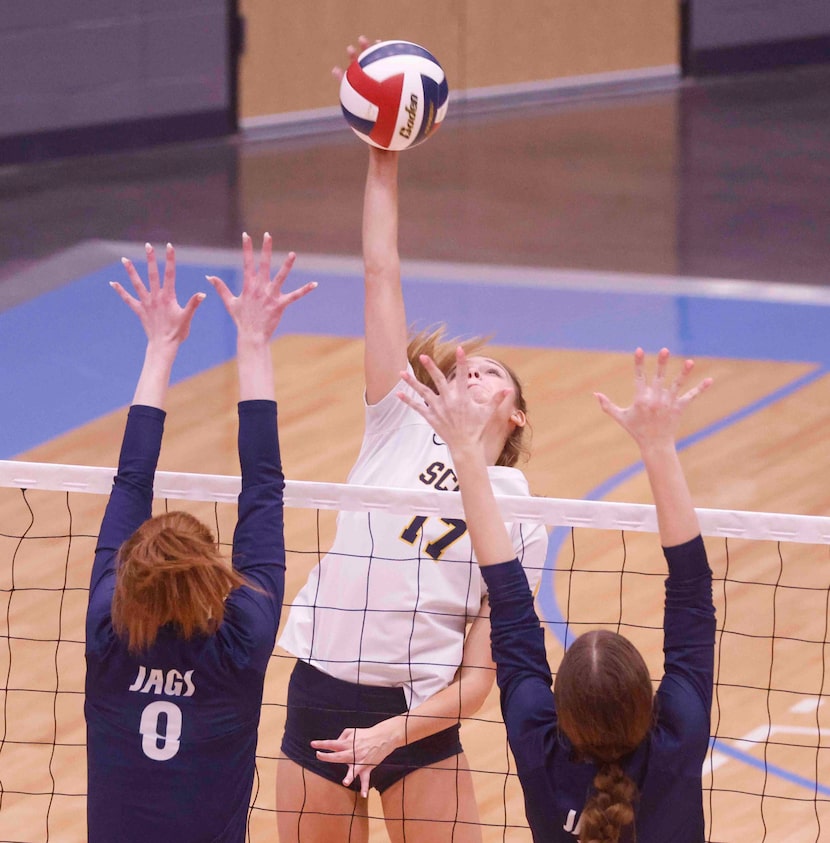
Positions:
(395, 733)
(656, 450)
(162, 348)
(256, 338)
(469, 460)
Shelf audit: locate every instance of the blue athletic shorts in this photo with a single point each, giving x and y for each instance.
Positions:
(320, 707)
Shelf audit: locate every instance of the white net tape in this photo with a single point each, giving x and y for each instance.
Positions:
(557, 512)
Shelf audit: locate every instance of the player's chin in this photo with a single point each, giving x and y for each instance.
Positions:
(478, 394)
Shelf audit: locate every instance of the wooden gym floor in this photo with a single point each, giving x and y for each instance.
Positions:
(571, 234)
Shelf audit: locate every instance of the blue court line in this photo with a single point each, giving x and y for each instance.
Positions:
(72, 355)
(773, 769)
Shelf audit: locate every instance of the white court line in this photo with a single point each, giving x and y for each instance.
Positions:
(556, 278)
(70, 264)
(761, 734)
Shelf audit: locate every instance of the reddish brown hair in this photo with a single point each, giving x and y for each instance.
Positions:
(170, 571)
(434, 344)
(605, 705)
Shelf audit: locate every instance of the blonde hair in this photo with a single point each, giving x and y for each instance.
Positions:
(170, 571)
(433, 343)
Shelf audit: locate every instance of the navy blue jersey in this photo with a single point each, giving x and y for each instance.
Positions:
(171, 732)
(667, 766)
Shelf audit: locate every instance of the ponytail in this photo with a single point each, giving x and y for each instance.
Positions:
(610, 808)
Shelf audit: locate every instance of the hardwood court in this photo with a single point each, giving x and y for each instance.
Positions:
(770, 460)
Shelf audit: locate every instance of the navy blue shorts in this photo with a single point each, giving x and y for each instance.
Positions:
(320, 707)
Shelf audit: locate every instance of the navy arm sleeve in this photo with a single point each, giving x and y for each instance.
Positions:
(253, 614)
(129, 506)
(689, 621)
(522, 669)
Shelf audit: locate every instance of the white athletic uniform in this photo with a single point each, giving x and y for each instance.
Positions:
(389, 603)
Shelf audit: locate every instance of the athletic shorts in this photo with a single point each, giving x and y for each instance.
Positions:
(320, 707)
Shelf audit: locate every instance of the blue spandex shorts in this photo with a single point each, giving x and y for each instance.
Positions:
(320, 707)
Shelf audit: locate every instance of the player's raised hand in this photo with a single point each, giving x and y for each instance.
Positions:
(654, 414)
(155, 304)
(258, 309)
(451, 411)
(352, 52)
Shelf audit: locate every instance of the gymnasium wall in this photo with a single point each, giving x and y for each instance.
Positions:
(75, 69)
(739, 35)
(93, 75)
(288, 57)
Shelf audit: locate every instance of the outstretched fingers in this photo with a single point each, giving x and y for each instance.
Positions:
(608, 406)
(662, 364)
(424, 402)
(135, 280)
(352, 53)
(362, 44)
(294, 295)
(438, 377)
(640, 383)
(156, 305)
(265, 257)
(683, 398)
(170, 270)
(658, 404)
(131, 302)
(690, 396)
(222, 289)
(152, 268)
(286, 299)
(462, 369)
(681, 377)
(284, 270)
(421, 388)
(248, 272)
(190, 308)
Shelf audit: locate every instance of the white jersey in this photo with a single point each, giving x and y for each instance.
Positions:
(389, 603)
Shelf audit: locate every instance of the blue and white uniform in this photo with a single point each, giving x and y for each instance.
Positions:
(667, 766)
(389, 603)
(172, 732)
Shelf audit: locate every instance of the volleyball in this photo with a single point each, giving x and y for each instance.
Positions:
(394, 94)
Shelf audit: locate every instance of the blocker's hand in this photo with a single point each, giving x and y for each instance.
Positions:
(654, 415)
(451, 412)
(164, 320)
(258, 309)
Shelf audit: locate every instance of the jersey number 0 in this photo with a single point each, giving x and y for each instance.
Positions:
(157, 744)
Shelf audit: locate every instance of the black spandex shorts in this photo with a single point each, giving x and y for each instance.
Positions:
(320, 707)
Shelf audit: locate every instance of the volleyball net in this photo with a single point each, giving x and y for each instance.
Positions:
(767, 777)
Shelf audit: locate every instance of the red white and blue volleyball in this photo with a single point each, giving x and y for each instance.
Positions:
(394, 95)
